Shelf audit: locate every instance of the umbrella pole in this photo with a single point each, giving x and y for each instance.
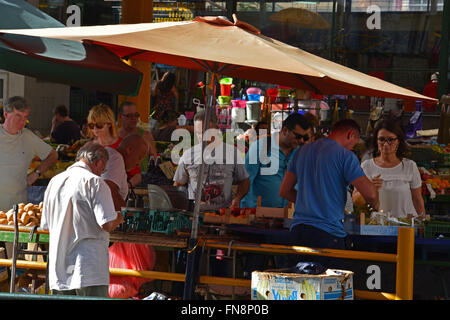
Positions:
(193, 253)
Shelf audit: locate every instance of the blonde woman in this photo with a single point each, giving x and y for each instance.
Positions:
(101, 126)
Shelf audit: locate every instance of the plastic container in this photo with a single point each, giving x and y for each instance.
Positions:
(254, 90)
(226, 100)
(225, 86)
(225, 89)
(283, 92)
(253, 109)
(182, 120)
(237, 114)
(189, 115)
(239, 103)
(253, 97)
(272, 93)
(226, 81)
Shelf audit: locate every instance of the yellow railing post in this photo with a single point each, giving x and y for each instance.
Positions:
(405, 263)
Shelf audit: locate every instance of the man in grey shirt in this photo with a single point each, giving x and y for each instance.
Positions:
(224, 167)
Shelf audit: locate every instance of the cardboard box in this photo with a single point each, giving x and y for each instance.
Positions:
(332, 285)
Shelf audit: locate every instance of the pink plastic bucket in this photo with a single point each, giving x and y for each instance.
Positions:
(239, 103)
(254, 90)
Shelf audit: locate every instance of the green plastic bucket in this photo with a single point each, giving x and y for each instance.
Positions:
(228, 81)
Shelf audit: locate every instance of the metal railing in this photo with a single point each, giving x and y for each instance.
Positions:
(404, 260)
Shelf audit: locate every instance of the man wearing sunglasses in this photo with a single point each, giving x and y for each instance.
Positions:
(129, 118)
(322, 171)
(267, 160)
(266, 163)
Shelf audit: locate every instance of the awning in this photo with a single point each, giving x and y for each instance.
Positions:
(235, 49)
(82, 65)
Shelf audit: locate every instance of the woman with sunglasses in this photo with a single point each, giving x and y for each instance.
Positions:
(101, 126)
(397, 178)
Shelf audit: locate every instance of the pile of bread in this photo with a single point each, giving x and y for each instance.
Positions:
(28, 215)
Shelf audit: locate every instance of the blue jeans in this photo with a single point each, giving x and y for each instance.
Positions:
(309, 236)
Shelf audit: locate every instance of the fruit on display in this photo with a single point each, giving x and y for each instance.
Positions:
(437, 179)
(59, 167)
(28, 215)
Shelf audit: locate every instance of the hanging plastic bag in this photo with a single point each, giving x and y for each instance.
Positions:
(129, 256)
(415, 122)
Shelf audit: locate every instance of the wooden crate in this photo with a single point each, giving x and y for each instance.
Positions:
(267, 212)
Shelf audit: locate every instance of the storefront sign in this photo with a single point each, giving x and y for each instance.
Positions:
(163, 14)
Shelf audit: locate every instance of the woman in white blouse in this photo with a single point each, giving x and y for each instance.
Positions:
(397, 178)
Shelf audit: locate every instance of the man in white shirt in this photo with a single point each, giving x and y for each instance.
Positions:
(224, 167)
(19, 146)
(78, 210)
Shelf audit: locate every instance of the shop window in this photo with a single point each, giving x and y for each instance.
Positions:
(399, 5)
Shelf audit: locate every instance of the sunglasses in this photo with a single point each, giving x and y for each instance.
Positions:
(383, 140)
(131, 115)
(98, 125)
(298, 136)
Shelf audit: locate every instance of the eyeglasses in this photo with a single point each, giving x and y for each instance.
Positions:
(298, 136)
(383, 140)
(131, 115)
(98, 125)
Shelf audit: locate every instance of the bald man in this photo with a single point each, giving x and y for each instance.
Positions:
(128, 155)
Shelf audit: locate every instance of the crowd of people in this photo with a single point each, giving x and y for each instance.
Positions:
(294, 165)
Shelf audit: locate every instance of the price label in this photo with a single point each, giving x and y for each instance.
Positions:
(168, 169)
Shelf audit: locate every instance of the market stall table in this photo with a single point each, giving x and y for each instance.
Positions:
(432, 259)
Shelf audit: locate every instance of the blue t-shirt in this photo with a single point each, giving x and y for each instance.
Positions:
(324, 169)
(266, 174)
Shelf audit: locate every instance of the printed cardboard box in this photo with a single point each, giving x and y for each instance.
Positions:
(332, 285)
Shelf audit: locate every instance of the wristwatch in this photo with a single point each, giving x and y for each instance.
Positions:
(38, 172)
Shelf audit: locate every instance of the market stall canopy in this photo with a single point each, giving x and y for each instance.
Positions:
(238, 50)
(82, 65)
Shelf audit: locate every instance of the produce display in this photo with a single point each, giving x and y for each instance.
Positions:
(438, 179)
(28, 215)
(59, 167)
(66, 157)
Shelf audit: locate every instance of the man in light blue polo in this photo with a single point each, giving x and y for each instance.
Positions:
(267, 160)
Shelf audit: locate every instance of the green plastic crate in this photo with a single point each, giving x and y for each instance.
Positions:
(436, 229)
(167, 221)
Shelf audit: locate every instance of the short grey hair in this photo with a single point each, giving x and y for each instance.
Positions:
(201, 115)
(16, 103)
(92, 152)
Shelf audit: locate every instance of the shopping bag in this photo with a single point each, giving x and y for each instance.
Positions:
(129, 256)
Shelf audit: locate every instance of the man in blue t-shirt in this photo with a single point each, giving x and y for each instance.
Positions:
(267, 161)
(322, 171)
